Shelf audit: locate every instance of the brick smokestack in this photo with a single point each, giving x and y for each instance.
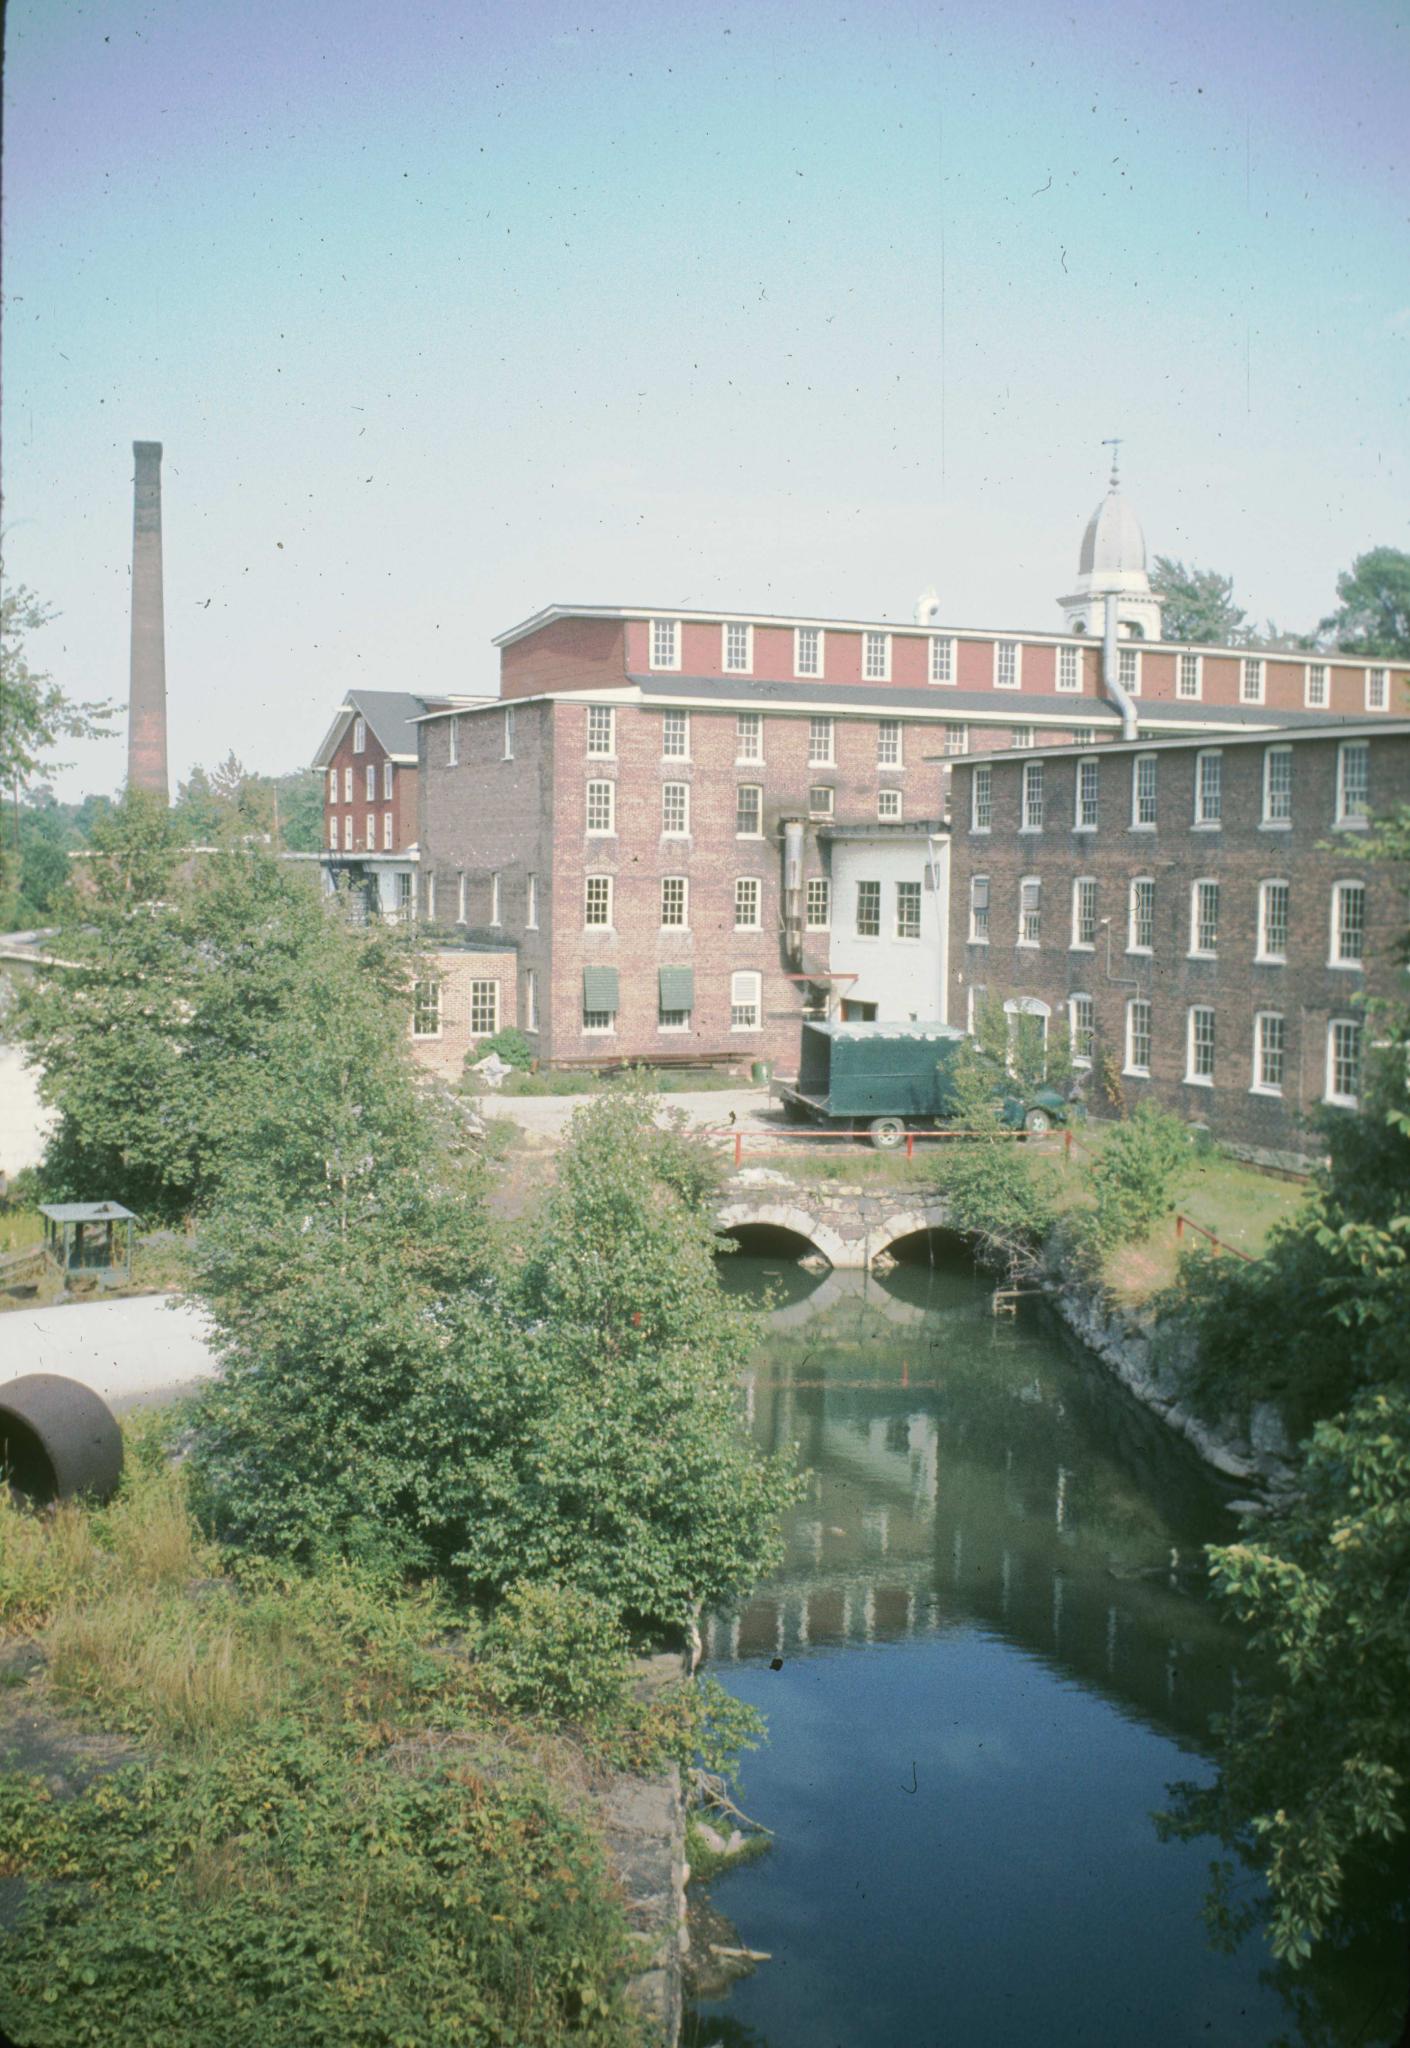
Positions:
(146, 708)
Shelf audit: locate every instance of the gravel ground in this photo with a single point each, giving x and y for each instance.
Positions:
(549, 1114)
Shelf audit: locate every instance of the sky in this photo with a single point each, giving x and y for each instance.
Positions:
(445, 312)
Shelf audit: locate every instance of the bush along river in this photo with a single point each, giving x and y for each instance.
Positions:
(986, 1655)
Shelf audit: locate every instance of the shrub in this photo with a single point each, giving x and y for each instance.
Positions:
(511, 1045)
(1134, 1177)
(553, 1649)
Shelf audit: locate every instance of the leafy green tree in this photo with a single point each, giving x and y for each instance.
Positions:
(35, 713)
(1373, 606)
(1198, 605)
(1133, 1178)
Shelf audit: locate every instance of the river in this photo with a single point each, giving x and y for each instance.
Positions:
(994, 1655)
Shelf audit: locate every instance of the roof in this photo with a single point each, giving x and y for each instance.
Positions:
(912, 1031)
(86, 1212)
(390, 715)
(1297, 727)
(1113, 543)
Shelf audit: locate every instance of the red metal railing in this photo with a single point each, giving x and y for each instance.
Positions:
(1184, 1223)
(781, 1141)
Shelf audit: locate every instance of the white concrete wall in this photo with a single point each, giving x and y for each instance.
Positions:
(24, 1120)
(905, 978)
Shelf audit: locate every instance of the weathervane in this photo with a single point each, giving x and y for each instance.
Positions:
(1114, 444)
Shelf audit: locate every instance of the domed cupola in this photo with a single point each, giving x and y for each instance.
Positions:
(1113, 562)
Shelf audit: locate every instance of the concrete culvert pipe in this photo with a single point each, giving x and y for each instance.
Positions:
(57, 1439)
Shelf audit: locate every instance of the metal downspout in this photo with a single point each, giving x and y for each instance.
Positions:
(1110, 680)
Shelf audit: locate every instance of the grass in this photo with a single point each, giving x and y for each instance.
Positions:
(19, 1229)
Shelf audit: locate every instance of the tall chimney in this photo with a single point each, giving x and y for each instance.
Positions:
(146, 706)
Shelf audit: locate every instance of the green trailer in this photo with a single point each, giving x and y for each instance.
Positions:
(887, 1079)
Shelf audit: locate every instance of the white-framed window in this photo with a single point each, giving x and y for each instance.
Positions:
(1199, 1045)
(737, 649)
(820, 800)
(749, 811)
(369, 780)
(1273, 903)
(371, 823)
(597, 901)
(1021, 736)
(601, 808)
(665, 643)
(1085, 814)
(956, 740)
(359, 735)
(1084, 736)
(1069, 668)
(807, 651)
(908, 910)
(1030, 911)
(599, 1023)
(888, 743)
(347, 785)
(1144, 778)
(1209, 787)
(602, 731)
(671, 1020)
(453, 741)
(888, 805)
(386, 831)
(942, 659)
(1250, 680)
(818, 903)
(1377, 689)
(1081, 1029)
(981, 799)
(460, 896)
(1343, 1062)
(333, 832)
(1128, 670)
(1316, 688)
(675, 902)
(484, 1009)
(868, 910)
(1140, 915)
(876, 657)
(1353, 782)
(1138, 1036)
(749, 736)
(349, 832)
(675, 809)
(508, 754)
(979, 910)
(1348, 925)
(1032, 809)
(1189, 675)
(821, 741)
(531, 999)
(675, 735)
(1204, 918)
(388, 784)
(1008, 665)
(1270, 1051)
(745, 1001)
(495, 917)
(406, 894)
(1277, 785)
(332, 785)
(531, 904)
(426, 1008)
(746, 904)
(1084, 913)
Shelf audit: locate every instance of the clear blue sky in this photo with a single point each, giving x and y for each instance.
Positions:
(446, 312)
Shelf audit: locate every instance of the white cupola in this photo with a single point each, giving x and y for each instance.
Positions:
(1112, 562)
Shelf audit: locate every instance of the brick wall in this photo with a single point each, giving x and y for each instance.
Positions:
(403, 805)
(464, 975)
(567, 654)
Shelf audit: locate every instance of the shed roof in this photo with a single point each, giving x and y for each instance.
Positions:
(86, 1212)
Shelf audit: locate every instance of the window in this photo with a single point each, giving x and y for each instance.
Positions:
(387, 784)
(1188, 675)
(749, 811)
(1204, 918)
(1199, 1046)
(1085, 819)
(531, 904)
(665, 643)
(600, 999)
(1138, 1036)
(598, 1021)
(1277, 785)
(426, 1009)
(1270, 1044)
(1030, 911)
(370, 783)
(975, 1003)
(675, 735)
(597, 903)
(359, 735)
(807, 651)
(347, 785)
(908, 910)
(1032, 796)
(1128, 670)
(979, 910)
(675, 809)
(1084, 736)
(888, 743)
(349, 832)
(494, 900)
(820, 742)
(1377, 689)
(675, 998)
(484, 1009)
(1143, 788)
(1209, 788)
(602, 731)
(1140, 923)
(981, 803)
(1315, 690)
(371, 823)
(531, 1000)
(749, 736)
(746, 904)
(1273, 920)
(602, 807)
(1069, 669)
(942, 660)
(745, 1001)
(1348, 924)
(1082, 1029)
(460, 897)
(818, 912)
(876, 657)
(888, 805)
(332, 785)
(1084, 913)
(1343, 1061)
(738, 652)
(1353, 782)
(453, 743)
(1250, 680)
(386, 831)
(508, 754)
(820, 799)
(406, 901)
(1006, 664)
(333, 832)
(956, 740)
(1021, 736)
(868, 910)
(675, 902)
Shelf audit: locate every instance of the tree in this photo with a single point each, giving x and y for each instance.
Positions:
(1198, 605)
(231, 803)
(35, 713)
(1373, 610)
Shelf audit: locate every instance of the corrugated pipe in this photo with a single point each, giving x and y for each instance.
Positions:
(1119, 697)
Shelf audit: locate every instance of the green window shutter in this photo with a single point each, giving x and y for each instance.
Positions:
(677, 988)
(599, 988)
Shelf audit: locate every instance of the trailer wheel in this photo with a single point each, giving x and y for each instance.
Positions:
(1036, 1122)
(793, 1112)
(887, 1132)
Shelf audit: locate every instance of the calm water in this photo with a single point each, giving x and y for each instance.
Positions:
(996, 1657)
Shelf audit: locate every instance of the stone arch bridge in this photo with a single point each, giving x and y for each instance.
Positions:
(850, 1227)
